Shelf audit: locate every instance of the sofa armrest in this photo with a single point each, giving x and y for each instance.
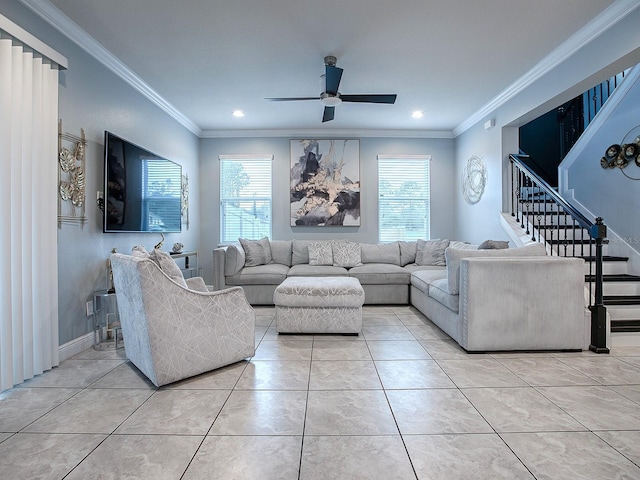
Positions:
(219, 256)
(522, 303)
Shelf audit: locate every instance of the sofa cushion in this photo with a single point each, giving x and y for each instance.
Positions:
(493, 245)
(309, 292)
(380, 253)
(233, 259)
(272, 274)
(421, 279)
(320, 253)
(439, 292)
(346, 254)
(407, 252)
(415, 268)
(431, 252)
(281, 252)
(454, 255)
(306, 270)
(300, 251)
(257, 252)
(380, 274)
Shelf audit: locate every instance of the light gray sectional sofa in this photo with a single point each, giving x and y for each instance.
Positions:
(484, 299)
(504, 300)
(384, 270)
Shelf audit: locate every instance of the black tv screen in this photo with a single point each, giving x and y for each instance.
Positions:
(142, 190)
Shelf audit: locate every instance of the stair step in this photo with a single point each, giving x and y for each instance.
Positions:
(625, 325)
(569, 241)
(621, 299)
(623, 277)
(606, 258)
(560, 227)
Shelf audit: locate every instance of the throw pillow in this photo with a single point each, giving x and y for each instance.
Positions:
(257, 252)
(462, 245)
(320, 253)
(407, 252)
(139, 251)
(431, 252)
(346, 254)
(493, 245)
(168, 266)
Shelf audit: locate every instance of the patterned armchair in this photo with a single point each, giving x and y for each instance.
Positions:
(172, 332)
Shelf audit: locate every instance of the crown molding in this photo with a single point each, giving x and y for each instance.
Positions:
(598, 25)
(327, 133)
(609, 17)
(52, 15)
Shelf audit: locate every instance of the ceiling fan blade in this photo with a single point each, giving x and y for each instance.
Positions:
(391, 98)
(328, 114)
(332, 79)
(290, 99)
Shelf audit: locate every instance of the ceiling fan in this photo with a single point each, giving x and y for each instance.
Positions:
(331, 97)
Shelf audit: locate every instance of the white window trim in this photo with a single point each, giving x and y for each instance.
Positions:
(426, 158)
(246, 157)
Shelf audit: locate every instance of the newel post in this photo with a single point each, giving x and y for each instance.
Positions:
(598, 310)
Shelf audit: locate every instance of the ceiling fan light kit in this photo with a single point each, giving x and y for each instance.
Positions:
(330, 97)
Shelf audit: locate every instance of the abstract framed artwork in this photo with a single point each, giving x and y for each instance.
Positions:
(325, 183)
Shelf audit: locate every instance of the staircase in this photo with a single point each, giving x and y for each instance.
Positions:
(541, 218)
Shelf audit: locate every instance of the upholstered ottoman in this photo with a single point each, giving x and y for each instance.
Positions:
(319, 305)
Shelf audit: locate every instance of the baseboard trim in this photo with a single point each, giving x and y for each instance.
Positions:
(75, 346)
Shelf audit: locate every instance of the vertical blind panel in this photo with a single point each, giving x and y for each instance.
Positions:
(28, 153)
(403, 199)
(245, 198)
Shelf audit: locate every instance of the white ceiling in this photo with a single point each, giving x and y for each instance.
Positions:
(447, 58)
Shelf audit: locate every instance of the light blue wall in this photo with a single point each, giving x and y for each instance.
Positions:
(93, 98)
(608, 193)
(442, 188)
(611, 52)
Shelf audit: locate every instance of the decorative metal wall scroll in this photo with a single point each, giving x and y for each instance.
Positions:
(474, 179)
(71, 177)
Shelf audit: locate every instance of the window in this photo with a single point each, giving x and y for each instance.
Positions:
(403, 197)
(161, 195)
(245, 197)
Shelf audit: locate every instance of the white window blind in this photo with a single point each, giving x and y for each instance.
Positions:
(245, 197)
(161, 195)
(403, 197)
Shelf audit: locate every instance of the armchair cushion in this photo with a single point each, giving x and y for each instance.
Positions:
(168, 265)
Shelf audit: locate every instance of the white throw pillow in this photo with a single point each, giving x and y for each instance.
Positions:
(168, 266)
(320, 253)
(257, 252)
(346, 254)
(431, 252)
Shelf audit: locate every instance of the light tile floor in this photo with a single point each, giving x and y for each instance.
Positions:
(400, 401)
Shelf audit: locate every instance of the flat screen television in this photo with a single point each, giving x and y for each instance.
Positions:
(142, 190)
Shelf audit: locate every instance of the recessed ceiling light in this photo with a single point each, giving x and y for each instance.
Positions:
(238, 113)
(417, 114)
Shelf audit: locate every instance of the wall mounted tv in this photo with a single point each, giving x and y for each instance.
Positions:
(142, 190)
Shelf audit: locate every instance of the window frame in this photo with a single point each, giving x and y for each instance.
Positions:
(381, 159)
(244, 159)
